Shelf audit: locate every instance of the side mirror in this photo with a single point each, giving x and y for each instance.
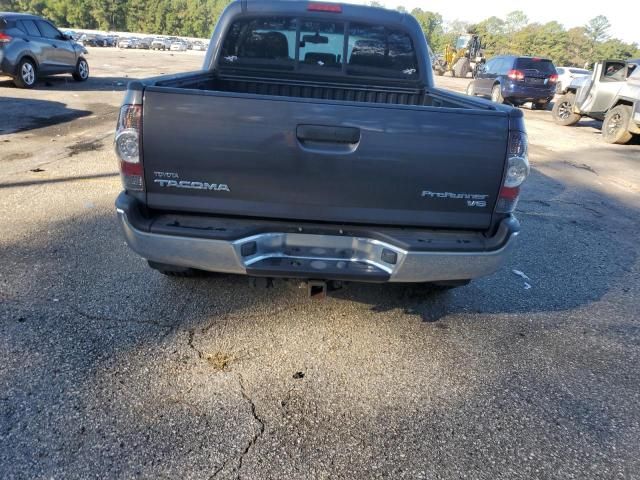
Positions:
(67, 36)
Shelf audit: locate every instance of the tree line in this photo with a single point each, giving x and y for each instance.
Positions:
(513, 34)
(189, 18)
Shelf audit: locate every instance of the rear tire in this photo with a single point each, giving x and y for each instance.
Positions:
(538, 105)
(471, 89)
(614, 126)
(462, 67)
(496, 94)
(562, 111)
(174, 270)
(26, 74)
(82, 71)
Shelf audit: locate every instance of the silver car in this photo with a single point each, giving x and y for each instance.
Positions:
(31, 47)
(160, 43)
(178, 46)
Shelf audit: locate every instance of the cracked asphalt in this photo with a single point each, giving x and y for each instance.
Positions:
(110, 370)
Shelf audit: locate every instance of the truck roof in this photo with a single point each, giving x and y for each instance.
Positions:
(326, 11)
(348, 10)
(16, 15)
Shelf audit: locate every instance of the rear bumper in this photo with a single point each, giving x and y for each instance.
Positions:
(7, 68)
(634, 123)
(527, 93)
(279, 249)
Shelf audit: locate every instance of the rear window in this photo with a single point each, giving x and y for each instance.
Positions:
(261, 42)
(8, 24)
(539, 64)
(29, 27)
(377, 50)
(319, 46)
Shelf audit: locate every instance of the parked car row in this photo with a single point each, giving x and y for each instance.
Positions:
(174, 44)
(134, 42)
(96, 40)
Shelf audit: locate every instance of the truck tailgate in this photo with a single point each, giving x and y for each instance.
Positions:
(260, 156)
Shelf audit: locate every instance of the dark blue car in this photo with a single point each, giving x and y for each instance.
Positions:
(516, 80)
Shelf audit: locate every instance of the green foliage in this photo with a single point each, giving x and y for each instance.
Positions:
(193, 18)
(615, 48)
(431, 24)
(515, 21)
(596, 29)
(492, 30)
(577, 46)
(512, 34)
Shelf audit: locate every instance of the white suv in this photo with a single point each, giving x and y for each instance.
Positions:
(566, 75)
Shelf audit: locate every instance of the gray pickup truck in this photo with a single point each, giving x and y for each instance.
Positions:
(313, 145)
(610, 94)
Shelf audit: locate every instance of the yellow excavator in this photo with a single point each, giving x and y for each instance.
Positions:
(462, 58)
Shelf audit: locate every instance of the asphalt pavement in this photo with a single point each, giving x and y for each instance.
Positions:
(110, 370)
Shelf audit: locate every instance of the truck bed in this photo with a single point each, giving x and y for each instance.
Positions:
(338, 91)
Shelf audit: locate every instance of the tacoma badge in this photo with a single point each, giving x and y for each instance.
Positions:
(193, 185)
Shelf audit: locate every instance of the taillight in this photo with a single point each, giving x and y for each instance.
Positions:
(515, 75)
(517, 171)
(553, 78)
(4, 38)
(127, 145)
(324, 7)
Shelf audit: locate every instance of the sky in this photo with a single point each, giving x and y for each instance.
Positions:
(624, 15)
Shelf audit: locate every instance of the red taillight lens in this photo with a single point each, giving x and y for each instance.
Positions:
(515, 75)
(517, 172)
(553, 78)
(127, 146)
(4, 38)
(324, 7)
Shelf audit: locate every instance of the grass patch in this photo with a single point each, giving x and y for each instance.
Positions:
(220, 360)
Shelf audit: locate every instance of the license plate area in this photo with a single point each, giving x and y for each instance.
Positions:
(318, 252)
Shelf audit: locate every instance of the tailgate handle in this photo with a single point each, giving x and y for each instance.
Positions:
(327, 133)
